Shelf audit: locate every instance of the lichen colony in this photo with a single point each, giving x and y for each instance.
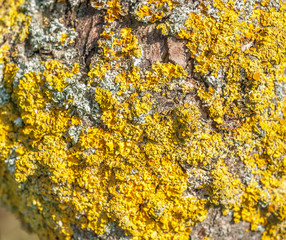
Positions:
(92, 145)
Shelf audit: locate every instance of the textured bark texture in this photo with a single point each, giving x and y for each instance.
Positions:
(144, 119)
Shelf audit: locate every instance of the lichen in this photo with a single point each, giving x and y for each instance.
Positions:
(97, 151)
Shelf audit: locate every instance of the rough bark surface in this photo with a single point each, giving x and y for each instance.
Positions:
(159, 119)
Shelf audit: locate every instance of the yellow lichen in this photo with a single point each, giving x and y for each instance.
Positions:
(155, 9)
(133, 162)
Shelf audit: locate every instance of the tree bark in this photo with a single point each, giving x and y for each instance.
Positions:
(158, 119)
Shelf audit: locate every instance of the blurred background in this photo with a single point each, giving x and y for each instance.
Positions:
(10, 228)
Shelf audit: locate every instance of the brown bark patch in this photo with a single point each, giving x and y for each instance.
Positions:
(177, 52)
(88, 29)
(153, 43)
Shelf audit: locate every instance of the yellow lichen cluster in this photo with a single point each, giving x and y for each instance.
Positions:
(38, 140)
(155, 10)
(148, 11)
(113, 8)
(144, 180)
(251, 55)
(13, 20)
(241, 50)
(133, 165)
(114, 49)
(109, 175)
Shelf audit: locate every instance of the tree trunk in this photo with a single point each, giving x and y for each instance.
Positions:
(136, 119)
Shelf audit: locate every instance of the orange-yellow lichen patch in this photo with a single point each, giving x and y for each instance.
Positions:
(217, 46)
(260, 142)
(126, 42)
(139, 197)
(63, 38)
(56, 75)
(9, 73)
(155, 10)
(226, 190)
(13, 20)
(4, 50)
(124, 46)
(148, 11)
(142, 178)
(113, 8)
(132, 162)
